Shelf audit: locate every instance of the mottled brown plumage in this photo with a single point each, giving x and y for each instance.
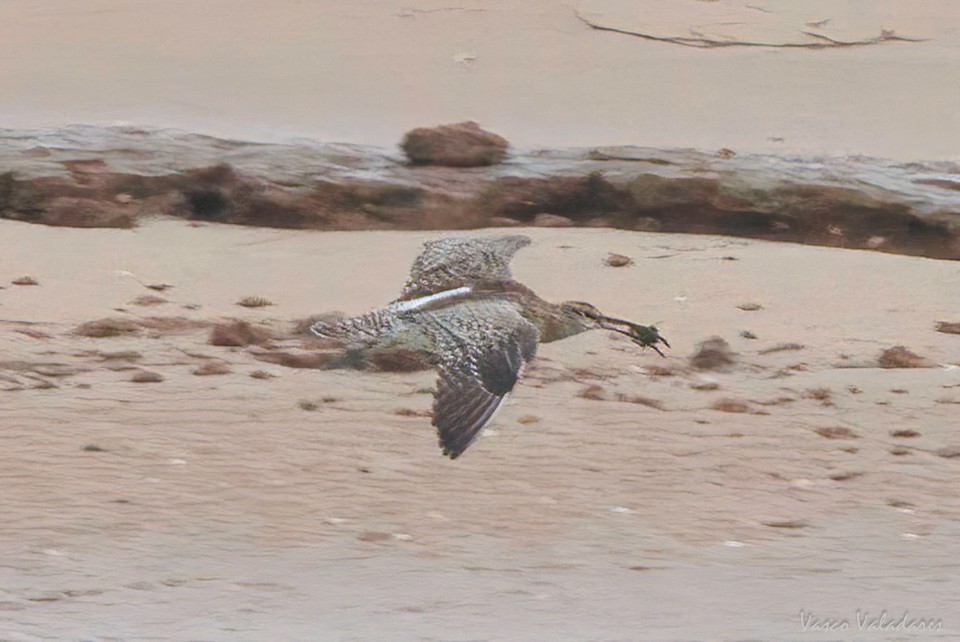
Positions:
(462, 310)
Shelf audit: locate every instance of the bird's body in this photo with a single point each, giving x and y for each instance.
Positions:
(462, 312)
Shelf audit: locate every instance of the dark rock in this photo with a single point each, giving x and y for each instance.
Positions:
(460, 145)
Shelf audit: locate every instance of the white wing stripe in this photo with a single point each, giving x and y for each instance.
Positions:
(416, 304)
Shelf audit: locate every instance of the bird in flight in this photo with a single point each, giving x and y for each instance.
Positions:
(462, 311)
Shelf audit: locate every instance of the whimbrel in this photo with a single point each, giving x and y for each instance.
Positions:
(462, 312)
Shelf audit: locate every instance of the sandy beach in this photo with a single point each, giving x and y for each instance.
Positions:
(177, 466)
(618, 496)
(366, 72)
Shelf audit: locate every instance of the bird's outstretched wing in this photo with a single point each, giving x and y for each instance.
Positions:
(450, 263)
(481, 348)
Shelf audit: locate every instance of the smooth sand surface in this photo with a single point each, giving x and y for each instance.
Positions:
(365, 72)
(306, 507)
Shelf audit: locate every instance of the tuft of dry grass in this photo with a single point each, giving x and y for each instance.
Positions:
(25, 280)
(659, 371)
(123, 355)
(171, 324)
(845, 476)
(901, 357)
(705, 386)
(528, 419)
(782, 347)
(308, 406)
(94, 448)
(212, 368)
(819, 394)
(787, 523)
(254, 302)
(109, 327)
(642, 401)
(904, 433)
(595, 393)
(749, 307)
(836, 432)
(731, 405)
(261, 374)
(410, 412)
(237, 333)
(948, 327)
(148, 300)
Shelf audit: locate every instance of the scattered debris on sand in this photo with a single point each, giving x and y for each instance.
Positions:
(148, 300)
(782, 347)
(836, 432)
(618, 260)
(593, 392)
(731, 405)
(806, 39)
(254, 302)
(145, 376)
(948, 327)
(713, 353)
(108, 327)
(904, 433)
(901, 357)
(238, 333)
(212, 368)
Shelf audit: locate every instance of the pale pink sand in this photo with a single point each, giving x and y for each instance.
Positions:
(221, 510)
(365, 72)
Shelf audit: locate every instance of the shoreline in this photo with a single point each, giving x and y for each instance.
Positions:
(87, 176)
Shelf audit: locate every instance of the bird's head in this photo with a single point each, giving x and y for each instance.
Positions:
(591, 318)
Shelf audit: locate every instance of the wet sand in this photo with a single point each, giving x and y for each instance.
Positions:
(367, 72)
(315, 504)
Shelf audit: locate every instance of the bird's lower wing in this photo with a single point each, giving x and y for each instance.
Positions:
(482, 347)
